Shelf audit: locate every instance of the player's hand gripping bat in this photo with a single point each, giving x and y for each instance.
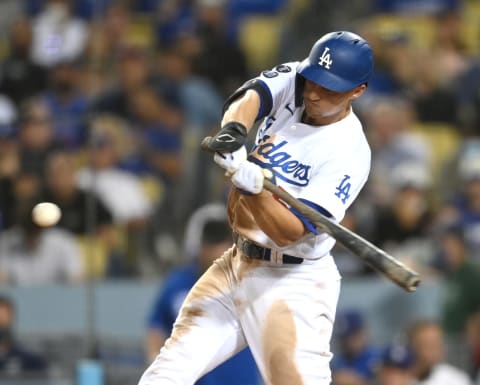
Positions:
(375, 257)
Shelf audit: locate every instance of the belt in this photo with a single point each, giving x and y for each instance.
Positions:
(254, 251)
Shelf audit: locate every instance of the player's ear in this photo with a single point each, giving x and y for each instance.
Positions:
(358, 91)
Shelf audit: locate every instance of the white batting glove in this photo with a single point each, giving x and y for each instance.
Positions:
(248, 177)
(231, 161)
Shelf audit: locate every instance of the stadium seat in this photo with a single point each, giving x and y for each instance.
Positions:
(419, 29)
(259, 38)
(471, 25)
(444, 141)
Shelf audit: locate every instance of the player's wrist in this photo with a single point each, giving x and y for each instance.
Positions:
(231, 137)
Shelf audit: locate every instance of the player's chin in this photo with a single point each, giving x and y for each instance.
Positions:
(314, 112)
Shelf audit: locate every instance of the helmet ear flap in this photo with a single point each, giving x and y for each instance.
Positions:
(299, 86)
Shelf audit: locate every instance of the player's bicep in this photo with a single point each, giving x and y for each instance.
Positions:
(271, 86)
(243, 110)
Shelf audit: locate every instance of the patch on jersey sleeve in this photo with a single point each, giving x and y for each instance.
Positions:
(284, 69)
(343, 189)
(270, 74)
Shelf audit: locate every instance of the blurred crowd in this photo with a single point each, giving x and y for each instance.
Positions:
(417, 356)
(103, 105)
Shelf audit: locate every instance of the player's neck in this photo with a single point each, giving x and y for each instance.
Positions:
(326, 120)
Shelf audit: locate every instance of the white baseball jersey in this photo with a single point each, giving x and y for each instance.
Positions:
(325, 167)
(283, 312)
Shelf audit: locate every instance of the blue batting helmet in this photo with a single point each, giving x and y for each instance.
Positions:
(338, 61)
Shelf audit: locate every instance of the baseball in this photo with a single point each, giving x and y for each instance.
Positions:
(46, 214)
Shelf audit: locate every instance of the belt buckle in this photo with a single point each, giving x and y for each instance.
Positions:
(252, 250)
(248, 248)
(255, 251)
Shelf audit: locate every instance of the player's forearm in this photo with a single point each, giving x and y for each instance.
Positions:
(275, 220)
(243, 110)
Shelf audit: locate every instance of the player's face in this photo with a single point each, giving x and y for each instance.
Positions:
(428, 345)
(324, 106)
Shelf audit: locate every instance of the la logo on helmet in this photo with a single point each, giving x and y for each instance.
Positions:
(325, 59)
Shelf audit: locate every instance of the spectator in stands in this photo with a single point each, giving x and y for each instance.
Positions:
(66, 101)
(298, 34)
(463, 207)
(133, 72)
(403, 228)
(450, 49)
(174, 18)
(9, 167)
(109, 36)
(57, 35)
(356, 361)
(207, 234)
(158, 127)
(434, 102)
(31, 255)
(129, 204)
(427, 342)
(116, 25)
(468, 98)
(348, 264)
(219, 59)
(462, 281)
(395, 367)
(139, 194)
(201, 104)
(86, 216)
(61, 189)
(394, 67)
(20, 77)
(390, 131)
(15, 360)
(473, 346)
(36, 136)
(195, 95)
(26, 189)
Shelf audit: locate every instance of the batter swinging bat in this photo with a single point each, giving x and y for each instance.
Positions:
(375, 257)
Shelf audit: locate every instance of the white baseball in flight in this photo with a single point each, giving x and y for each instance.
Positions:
(46, 214)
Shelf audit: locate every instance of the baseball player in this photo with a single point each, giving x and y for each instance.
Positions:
(276, 289)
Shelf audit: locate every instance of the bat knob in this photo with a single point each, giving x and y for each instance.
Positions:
(267, 173)
(205, 145)
(413, 283)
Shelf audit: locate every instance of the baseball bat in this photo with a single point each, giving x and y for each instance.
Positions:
(375, 257)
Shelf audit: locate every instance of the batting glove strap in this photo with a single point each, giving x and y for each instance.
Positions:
(231, 161)
(230, 138)
(249, 178)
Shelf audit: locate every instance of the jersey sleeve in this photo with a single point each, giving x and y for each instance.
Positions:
(273, 86)
(333, 189)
